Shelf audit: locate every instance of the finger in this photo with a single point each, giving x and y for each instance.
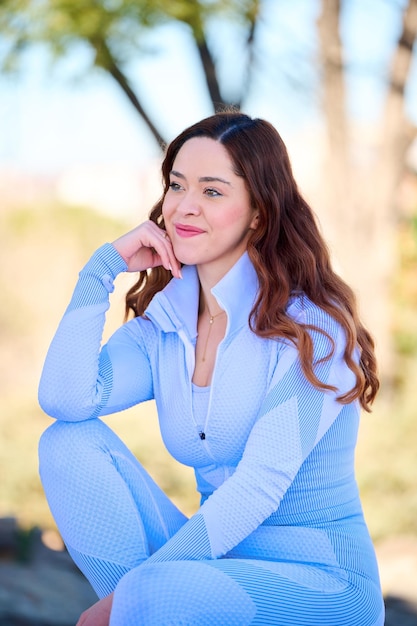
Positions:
(173, 264)
(164, 253)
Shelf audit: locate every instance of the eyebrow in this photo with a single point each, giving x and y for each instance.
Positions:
(203, 179)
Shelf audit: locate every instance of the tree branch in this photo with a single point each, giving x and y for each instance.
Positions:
(210, 74)
(105, 60)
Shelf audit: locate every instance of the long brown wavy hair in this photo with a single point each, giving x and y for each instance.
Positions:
(286, 249)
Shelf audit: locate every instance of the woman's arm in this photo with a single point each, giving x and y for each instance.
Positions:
(79, 380)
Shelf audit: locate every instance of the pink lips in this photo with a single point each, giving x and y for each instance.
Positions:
(185, 231)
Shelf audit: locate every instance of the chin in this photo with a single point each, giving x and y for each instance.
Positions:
(187, 257)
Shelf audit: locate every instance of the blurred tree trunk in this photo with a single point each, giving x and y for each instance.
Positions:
(360, 203)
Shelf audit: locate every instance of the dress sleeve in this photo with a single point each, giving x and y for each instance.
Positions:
(80, 380)
(293, 418)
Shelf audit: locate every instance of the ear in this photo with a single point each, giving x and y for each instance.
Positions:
(255, 220)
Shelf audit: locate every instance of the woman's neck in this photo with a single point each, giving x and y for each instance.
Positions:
(207, 281)
(208, 303)
(209, 275)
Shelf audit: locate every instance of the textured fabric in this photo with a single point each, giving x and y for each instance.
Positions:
(280, 531)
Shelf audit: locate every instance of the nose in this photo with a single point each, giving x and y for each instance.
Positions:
(189, 204)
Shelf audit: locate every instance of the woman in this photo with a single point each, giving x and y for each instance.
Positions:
(252, 348)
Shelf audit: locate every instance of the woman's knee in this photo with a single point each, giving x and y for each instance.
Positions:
(51, 444)
(72, 435)
(180, 592)
(64, 444)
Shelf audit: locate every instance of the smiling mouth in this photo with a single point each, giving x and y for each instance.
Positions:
(187, 231)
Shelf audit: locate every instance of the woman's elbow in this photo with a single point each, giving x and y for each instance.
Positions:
(60, 407)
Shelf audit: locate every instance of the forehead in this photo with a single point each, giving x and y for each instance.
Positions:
(202, 153)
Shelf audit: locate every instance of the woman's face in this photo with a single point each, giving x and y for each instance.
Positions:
(206, 209)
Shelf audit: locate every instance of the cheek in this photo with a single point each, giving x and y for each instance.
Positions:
(166, 209)
(235, 217)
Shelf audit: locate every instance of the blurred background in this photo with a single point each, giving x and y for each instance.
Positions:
(90, 92)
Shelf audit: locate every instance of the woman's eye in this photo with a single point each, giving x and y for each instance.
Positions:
(212, 192)
(174, 186)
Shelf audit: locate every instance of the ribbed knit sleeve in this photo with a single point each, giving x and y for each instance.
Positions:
(79, 380)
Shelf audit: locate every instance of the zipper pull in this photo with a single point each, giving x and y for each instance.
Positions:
(202, 435)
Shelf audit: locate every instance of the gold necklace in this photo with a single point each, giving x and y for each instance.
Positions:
(211, 320)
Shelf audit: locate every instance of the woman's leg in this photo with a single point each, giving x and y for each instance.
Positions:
(237, 592)
(111, 514)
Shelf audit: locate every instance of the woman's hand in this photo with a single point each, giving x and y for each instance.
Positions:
(98, 614)
(147, 246)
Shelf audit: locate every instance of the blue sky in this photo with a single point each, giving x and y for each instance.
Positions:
(50, 119)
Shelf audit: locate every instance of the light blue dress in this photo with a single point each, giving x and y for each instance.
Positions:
(280, 537)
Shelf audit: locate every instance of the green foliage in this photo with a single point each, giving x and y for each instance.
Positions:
(110, 27)
(114, 31)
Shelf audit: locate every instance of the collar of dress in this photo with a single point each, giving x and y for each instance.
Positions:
(175, 308)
